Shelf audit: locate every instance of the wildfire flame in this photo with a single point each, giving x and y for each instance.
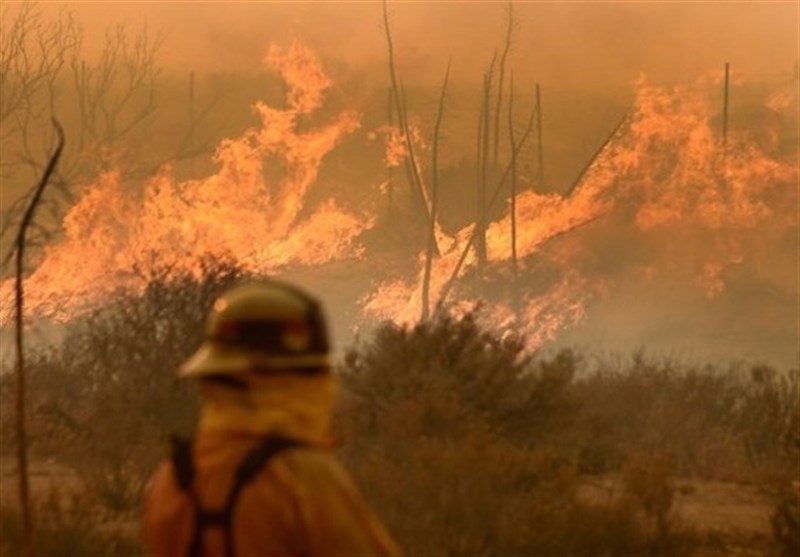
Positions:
(114, 237)
(396, 149)
(668, 169)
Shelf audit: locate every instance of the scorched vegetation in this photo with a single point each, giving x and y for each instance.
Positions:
(463, 443)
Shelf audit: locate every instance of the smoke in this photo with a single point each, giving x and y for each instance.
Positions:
(562, 43)
(670, 248)
(683, 238)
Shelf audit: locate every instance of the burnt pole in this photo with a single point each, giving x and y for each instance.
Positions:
(539, 147)
(725, 107)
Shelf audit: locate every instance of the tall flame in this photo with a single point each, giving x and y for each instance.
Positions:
(667, 173)
(114, 237)
(668, 170)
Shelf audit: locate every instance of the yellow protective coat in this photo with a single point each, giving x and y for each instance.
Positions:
(302, 503)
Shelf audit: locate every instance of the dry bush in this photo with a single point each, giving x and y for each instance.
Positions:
(474, 371)
(467, 447)
(104, 401)
(723, 424)
(66, 526)
(648, 483)
(786, 520)
(127, 355)
(458, 441)
(462, 443)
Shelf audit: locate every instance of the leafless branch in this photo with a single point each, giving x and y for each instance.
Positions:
(28, 536)
(431, 245)
(480, 223)
(398, 95)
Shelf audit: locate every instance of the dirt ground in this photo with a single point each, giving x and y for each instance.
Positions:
(722, 507)
(737, 515)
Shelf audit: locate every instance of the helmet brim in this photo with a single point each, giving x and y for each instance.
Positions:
(218, 359)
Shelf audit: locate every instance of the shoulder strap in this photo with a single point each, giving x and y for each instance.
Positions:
(183, 465)
(247, 470)
(258, 456)
(182, 461)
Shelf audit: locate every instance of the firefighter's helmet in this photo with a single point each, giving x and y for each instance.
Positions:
(261, 326)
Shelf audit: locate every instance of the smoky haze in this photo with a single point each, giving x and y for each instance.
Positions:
(565, 43)
(587, 57)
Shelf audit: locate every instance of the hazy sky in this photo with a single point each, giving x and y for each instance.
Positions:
(569, 43)
(591, 45)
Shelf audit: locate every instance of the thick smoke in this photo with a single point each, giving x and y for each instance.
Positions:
(673, 259)
(577, 44)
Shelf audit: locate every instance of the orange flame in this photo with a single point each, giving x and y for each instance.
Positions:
(668, 169)
(114, 237)
(396, 149)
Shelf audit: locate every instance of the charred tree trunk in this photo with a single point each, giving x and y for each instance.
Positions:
(483, 167)
(500, 83)
(190, 133)
(539, 144)
(595, 156)
(390, 169)
(725, 107)
(515, 295)
(412, 170)
(431, 247)
(28, 537)
(481, 223)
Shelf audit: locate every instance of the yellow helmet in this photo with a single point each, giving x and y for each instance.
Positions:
(264, 325)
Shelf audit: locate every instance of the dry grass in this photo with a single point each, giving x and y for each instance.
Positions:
(462, 445)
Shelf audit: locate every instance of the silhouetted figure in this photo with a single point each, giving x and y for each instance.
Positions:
(259, 477)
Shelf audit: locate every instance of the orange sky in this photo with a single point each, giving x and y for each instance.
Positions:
(565, 43)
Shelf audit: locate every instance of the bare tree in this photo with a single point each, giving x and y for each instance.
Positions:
(431, 246)
(398, 95)
(484, 137)
(109, 101)
(515, 297)
(483, 218)
(109, 98)
(501, 81)
(116, 94)
(32, 54)
(22, 455)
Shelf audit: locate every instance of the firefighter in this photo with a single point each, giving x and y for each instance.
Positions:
(258, 478)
